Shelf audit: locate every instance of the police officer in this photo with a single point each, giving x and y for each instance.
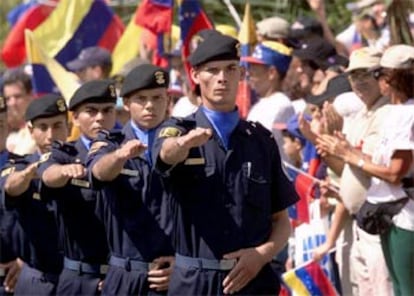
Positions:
(131, 204)
(64, 178)
(9, 266)
(47, 121)
(228, 191)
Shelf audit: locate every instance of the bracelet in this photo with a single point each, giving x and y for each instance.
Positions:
(361, 163)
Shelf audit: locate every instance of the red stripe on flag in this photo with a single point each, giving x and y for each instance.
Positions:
(112, 34)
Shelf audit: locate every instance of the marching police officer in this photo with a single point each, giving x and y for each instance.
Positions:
(227, 190)
(65, 179)
(9, 266)
(47, 120)
(131, 204)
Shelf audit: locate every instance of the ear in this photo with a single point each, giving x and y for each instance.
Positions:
(126, 102)
(273, 73)
(75, 116)
(195, 75)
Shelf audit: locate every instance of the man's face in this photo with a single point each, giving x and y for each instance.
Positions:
(17, 100)
(305, 72)
(90, 73)
(91, 118)
(46, 130)
(364, 85)
(3, 130)
(259, 78)
(148, 107)
(218, 81)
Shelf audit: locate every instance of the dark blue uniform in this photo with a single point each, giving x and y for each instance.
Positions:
(222, 200)
(80, 231)
(38, 240)
(135, 218)
(8, 227)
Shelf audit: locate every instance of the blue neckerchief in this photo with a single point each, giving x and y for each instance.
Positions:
(223, 122)
(146, 137)
(86, 141)
(4, 156)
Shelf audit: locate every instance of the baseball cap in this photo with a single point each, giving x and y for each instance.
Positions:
(336, 86)
(355, 6)
(305, 26)
(271, 53)
(88, 57)
(364, 58)
(273, 27)
(321, 53)
(399, 56)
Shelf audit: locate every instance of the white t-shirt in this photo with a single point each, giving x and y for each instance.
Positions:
(397, 134)
(183, 107)
(277, 108)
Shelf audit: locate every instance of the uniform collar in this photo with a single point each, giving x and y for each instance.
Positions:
(86, 142)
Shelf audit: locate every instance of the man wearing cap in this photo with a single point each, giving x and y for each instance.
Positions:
(131, 202)
(267, 68)
(273, 29)
(368, 270)
(64, 178)
(92, 63)
(9, 266)
(38, 244)
(227, 191)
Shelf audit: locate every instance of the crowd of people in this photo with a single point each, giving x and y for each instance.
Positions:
(145, 183)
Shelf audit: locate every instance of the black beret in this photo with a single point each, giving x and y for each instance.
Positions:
(3, 105)
(46, 106)
(215, 47)
(95, 91)
(144, 76)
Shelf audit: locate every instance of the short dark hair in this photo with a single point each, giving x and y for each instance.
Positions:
(402, 80)
(16, 75)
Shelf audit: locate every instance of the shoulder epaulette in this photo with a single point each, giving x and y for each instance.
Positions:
(116, 136)
(67, 147)
(258, 127)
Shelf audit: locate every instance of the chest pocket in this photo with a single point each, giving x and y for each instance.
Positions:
(256, 186)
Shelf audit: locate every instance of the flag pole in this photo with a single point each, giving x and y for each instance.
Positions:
(316, 180)
(311, 260)
(233, 12)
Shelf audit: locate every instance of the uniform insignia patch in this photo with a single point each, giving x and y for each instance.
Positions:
(195, 161)
(238, 48)
(159, 77)
(96, 146)
(44, 157)
(131, 173)
(61, 105)
(112, 91)
(7, 171)
(80, 183)
(36, 196)
(168, 132)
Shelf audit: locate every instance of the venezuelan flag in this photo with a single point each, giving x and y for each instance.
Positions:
(72, 26)
(309, 280)
(247, 38)
(13, 52)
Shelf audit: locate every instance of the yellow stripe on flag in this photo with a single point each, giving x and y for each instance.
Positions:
(64, 80)
(127, 47)
(295, 284)
(247, 34)
(61, 25)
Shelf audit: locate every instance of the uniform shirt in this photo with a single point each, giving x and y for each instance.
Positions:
(38, 240)
(80, 231)
(222, 199)
(132, 206)
(8, 226)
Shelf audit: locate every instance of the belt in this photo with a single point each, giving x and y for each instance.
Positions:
(201, 263)
(83, 267)
(129, 264)
(50, 277)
